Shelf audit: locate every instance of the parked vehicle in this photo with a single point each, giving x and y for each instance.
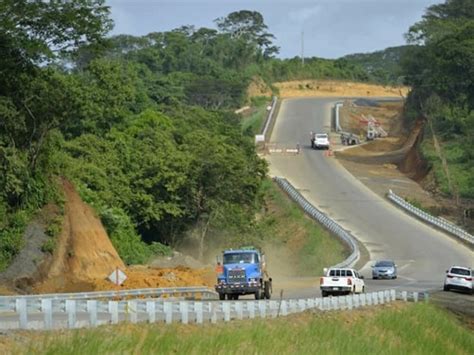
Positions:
(459, 278)
(319, 141)
(384, 269)
(243, 272)
(341, 281)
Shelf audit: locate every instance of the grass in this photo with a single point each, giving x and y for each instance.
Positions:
(254, 122)
(418, 204)
(391, 329)
(460, 167)
(294, 243)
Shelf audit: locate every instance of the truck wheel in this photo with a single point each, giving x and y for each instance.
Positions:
(267, 293)
(324, 293)
(236, 297)
(222, 296)
(258, 295)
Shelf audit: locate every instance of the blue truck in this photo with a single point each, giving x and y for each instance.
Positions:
(243, 272)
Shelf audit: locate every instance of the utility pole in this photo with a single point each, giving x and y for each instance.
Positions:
(302, 48)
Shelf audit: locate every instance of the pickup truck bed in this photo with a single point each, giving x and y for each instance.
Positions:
(341, 282)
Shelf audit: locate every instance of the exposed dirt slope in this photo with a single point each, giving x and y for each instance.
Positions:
(386, 163)
(331, 88)
(258, 87)
(84, 250)
(390, 150)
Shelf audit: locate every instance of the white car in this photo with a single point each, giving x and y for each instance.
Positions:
(459, 278)
(320, 141)
(341, 281)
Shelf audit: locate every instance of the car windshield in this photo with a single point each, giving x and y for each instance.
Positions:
(321, 136)
(241, 258)
(384, 264)
(460, 271)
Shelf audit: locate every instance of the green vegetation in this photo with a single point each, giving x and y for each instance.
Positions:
(294, 243)
(408, 329)
(143, 126)
(252, 124)
(314, 68)
(440, 70)
(383, 66)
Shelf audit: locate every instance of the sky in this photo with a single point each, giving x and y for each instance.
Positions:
(331, 28)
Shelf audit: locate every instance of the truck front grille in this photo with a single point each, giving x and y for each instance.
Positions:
(237, 276)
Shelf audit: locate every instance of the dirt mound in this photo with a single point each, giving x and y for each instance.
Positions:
(176, 260)
(84, 250)
(137, 277)
(330, 88)
(258, 87)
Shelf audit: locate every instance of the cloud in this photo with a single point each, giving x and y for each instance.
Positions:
(304, 14)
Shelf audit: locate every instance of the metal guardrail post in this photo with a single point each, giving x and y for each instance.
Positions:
(47, 310)
(21, 309)
(113, 310)
(71, 313)
(92, 310)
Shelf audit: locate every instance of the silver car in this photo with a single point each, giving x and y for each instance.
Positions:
(384, 269)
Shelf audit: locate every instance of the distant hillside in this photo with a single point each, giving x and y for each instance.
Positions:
(382, 66)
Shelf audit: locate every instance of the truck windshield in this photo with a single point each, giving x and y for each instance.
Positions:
(241, 258)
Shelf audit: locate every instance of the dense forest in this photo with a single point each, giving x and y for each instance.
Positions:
(144, 126)
(440, 68)
(382, 66)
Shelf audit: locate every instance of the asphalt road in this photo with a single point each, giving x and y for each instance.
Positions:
(421, 252)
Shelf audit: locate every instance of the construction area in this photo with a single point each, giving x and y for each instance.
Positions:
(390, 158)
(84, 257)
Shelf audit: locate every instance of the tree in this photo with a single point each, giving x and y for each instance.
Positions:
(249, 26)
(41, 30)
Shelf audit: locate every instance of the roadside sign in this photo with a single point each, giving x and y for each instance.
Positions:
(259, 138)
(117, 276)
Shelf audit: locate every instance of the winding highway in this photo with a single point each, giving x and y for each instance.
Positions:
(421, 252)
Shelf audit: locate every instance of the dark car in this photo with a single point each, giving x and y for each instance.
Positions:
(384, 269)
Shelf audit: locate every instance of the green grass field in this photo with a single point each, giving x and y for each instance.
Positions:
(391, 329)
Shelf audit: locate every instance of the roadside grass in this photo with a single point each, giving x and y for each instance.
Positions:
(390, 329)
(295, 244)
(254, 122)
(460, 167)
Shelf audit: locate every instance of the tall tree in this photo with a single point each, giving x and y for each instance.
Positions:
(249, 26)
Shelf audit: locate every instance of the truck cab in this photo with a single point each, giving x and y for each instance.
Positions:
(243, 272)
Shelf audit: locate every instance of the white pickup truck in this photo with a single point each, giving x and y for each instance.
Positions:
(341, 281)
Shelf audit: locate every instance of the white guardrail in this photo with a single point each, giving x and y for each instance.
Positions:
(55, 314)
(269, 119)
(435, 221)
(186, 292)
(326, 221)
(336, 116)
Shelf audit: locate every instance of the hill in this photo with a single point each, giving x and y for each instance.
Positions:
(382, 66)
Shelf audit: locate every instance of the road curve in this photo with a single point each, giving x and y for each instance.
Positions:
(421, 252)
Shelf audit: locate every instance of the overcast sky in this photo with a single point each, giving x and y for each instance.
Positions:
(332, 28)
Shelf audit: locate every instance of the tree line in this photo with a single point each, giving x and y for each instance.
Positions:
(440, 68)
(142, 125)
